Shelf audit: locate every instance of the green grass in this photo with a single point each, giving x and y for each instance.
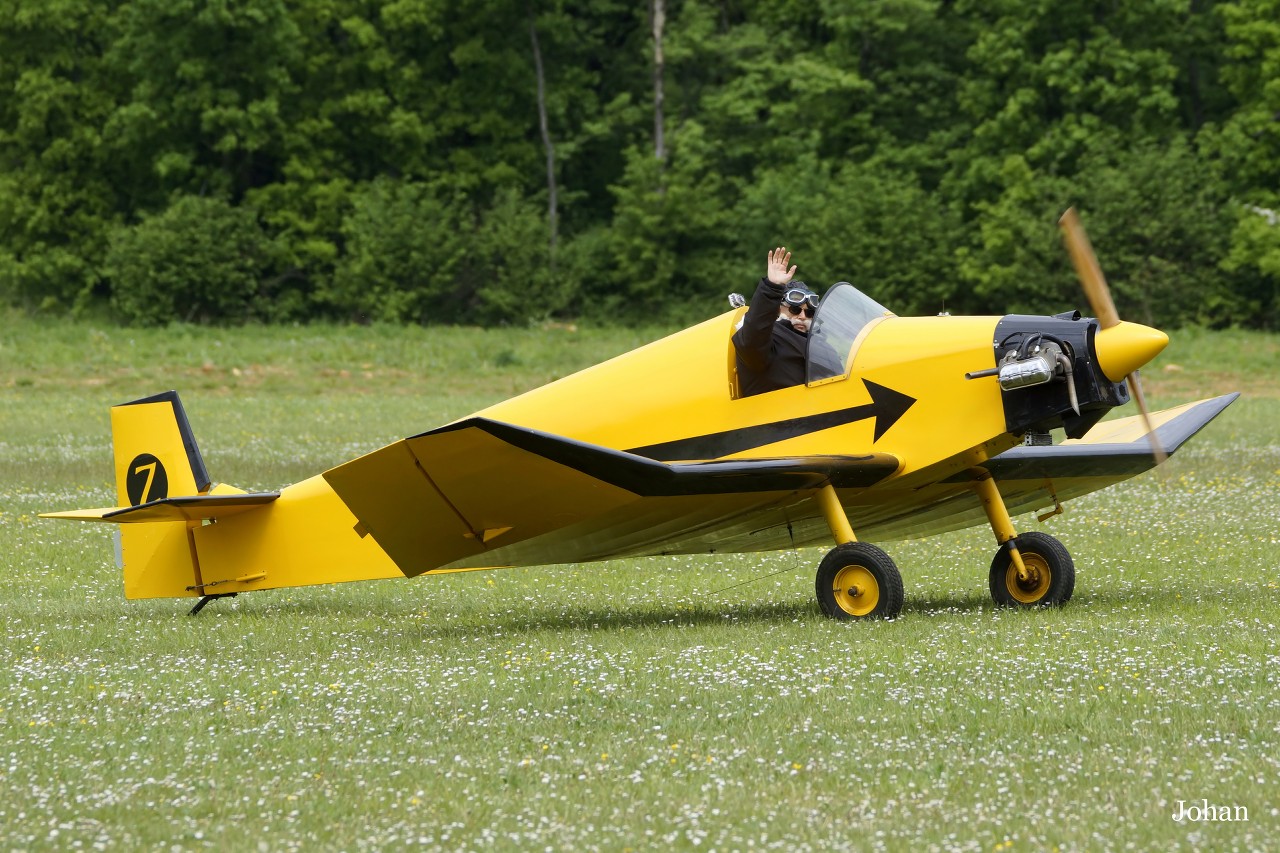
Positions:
(685, 702)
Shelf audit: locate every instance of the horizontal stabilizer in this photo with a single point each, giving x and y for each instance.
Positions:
(185, 508)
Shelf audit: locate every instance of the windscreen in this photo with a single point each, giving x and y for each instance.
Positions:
(842, 314)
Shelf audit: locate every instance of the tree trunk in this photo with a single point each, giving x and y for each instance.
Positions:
(547, 144)
(659, 21)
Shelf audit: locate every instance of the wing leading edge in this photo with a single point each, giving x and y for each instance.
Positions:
(486, 493)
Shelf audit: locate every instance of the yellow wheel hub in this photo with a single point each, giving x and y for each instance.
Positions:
(856, 590)
(1035, 585)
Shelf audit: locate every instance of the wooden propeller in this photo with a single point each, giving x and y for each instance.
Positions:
(1104, 308)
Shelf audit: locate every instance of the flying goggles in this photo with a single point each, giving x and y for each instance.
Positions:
(798, 300)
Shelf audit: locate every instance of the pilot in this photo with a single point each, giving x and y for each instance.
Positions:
(771, 342)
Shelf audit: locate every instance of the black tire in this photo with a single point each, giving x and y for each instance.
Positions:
(1051, 574)
(858, 581)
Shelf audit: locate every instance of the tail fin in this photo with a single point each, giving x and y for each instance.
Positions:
(156, 456)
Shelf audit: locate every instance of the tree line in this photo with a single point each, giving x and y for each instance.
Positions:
(501, 161)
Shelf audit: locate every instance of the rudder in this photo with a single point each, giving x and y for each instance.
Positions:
(155, 451)
(156, 457)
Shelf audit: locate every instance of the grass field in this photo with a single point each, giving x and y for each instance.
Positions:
(688, 703)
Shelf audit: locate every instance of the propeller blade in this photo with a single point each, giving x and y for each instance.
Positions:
(1135, 390)
(1104, 309)
(1086, 264)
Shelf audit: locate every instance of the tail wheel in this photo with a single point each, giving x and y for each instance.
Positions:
(859, 581)
(1050, 577)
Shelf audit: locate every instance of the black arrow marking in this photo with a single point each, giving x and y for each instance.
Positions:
(886, 406)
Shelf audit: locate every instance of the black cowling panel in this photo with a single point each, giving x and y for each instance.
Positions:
(1043, 407)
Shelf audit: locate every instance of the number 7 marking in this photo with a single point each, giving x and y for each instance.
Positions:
(150, 468)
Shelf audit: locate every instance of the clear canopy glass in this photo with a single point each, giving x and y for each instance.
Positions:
(843, 313)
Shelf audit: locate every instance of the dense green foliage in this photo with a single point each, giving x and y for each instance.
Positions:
(201, 259)
(495, 160)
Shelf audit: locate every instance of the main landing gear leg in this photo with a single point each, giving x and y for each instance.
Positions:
(855, 580)
(1029, 570)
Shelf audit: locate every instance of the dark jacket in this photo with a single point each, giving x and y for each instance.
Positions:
(770, 354)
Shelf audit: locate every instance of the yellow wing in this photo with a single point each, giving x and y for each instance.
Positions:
(485, 494)
(481, 493)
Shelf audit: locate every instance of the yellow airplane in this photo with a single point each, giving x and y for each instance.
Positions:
(927, 424)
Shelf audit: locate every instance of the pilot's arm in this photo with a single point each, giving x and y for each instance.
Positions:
(754, 341)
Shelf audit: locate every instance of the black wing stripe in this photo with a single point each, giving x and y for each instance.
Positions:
(650, 478)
